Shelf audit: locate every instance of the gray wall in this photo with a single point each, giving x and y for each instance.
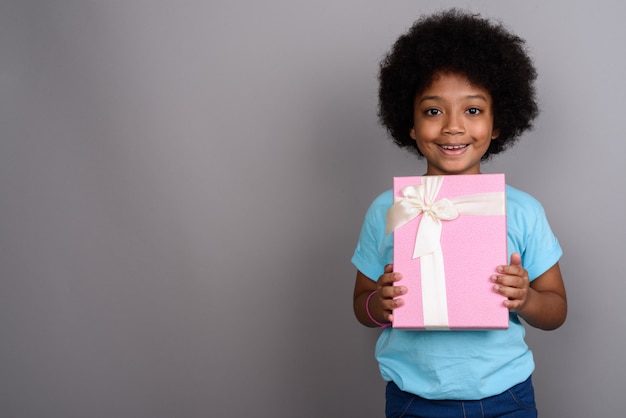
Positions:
(182, 184)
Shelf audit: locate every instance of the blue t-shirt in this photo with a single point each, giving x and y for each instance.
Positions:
(459, 365)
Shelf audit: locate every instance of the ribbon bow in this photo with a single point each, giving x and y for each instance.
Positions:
(420, 198)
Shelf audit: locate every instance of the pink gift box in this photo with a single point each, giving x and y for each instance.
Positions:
(449, 237)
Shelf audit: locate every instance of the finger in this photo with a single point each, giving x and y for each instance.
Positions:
(515, 265)
(512, 305)
(515, 268)
(391, 304)
(509, 292)
(393, 291)
(519, 282)
(512, 270)
(388, 279)
(514, 295)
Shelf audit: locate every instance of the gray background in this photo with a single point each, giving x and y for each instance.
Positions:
(182, 184)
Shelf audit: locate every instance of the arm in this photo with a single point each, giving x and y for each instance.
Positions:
(382, 303)
(542, 303)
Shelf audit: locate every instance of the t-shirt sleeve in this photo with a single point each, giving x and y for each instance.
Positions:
(530, 234)
(374, 248)
(542, 249)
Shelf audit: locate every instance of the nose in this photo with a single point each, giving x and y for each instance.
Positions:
(453, 124)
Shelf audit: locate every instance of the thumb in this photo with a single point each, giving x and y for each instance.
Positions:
(516, 259)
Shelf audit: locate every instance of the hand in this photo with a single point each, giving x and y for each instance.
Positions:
(388, 294)
(513, 283)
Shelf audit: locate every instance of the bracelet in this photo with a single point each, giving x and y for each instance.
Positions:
(367, 309)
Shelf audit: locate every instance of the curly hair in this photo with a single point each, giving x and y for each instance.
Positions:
(458, 42)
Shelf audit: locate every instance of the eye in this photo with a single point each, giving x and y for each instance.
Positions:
(432, 112)
(473, 111)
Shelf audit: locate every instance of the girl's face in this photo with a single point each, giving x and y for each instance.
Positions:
(453, 125)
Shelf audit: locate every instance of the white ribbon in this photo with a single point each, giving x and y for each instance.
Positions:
(418, 199)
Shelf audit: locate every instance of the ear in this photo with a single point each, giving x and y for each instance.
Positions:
(412, 133)
(495, 133)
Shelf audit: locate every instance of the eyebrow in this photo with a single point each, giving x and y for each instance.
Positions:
(470, 96)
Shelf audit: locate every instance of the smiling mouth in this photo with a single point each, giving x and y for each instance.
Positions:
(453, 147)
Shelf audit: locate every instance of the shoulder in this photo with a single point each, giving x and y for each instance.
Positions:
(519, 203)
(377, 211)
(520, 198)
(383, 202)
(375, 222)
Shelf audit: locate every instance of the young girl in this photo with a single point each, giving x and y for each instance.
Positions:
(457, 89)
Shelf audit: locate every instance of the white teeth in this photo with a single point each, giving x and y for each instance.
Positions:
(453, 146)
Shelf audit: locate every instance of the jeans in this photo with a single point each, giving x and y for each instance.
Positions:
(516, 402)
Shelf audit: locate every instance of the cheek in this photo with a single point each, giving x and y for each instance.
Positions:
(425, 132)
(484, 131)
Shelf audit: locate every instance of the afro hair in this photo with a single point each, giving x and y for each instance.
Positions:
(485, 52)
